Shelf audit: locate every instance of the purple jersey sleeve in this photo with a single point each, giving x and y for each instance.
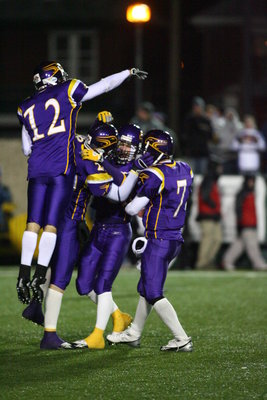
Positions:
(78, 91)
(150, 183)
(98, 180)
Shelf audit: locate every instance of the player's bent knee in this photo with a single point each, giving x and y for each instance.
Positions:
(153, 301)
(83, 289)
(102, 287)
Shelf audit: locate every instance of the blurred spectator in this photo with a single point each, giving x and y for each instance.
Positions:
(144, 117)
(226, 127)
(247, 229)
(6, 205)
(264, 155)
(196, 135)
(209, 216)
(248, 143)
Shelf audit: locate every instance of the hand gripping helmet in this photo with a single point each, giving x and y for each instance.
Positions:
(129, 143)
(104, 136)
(103, 117)
(48, 73)
(159, 144)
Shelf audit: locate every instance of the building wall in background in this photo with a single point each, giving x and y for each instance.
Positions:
(14, 172)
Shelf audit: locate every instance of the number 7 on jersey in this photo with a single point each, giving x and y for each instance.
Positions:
(181, 184)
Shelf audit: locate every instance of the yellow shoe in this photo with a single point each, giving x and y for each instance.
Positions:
(94, 341)
(121, 321)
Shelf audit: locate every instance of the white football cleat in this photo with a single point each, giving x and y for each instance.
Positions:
(129, 336)
(185, 345)
(66, 346)
(80, 344)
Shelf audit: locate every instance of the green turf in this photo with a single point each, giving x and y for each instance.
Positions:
(226, 314)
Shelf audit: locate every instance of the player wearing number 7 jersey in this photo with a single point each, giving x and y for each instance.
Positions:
(48, 121)
(163, 193)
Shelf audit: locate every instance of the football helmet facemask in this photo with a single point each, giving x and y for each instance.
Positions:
(129, 143)
(159, 144)
(48, 73)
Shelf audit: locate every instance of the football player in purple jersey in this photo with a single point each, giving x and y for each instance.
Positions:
(91, 178)
(163, 193)
(33, 311)
(110, 238)
(48, 121)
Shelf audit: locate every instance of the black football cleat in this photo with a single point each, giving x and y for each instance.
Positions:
(34, 313)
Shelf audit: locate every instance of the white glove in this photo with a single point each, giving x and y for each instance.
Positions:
(140, 74)
(139, 245)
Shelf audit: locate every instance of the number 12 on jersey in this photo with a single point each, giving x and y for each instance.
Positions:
(181, 189)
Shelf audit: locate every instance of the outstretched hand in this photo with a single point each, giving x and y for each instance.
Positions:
(140, 74)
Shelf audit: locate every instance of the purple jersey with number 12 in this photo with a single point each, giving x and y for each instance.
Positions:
(168, 186)
(50, 119)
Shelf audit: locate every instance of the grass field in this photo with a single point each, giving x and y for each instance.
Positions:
(225, 313)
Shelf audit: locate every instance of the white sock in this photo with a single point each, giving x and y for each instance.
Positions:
(46, 248)
(114, 307)
(45, 285)
(52, 309)
(104, 309)
(142, 312)
(93, 296)
(168, 315)
(29, 242)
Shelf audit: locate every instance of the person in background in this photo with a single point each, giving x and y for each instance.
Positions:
(196, 136)
(144, 117)
(247, 238)
(209, 216)
(226, 124)
(249, 143)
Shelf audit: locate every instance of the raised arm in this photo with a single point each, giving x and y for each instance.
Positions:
(111, 82)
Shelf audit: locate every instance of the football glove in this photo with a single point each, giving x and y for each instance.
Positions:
(139, 245)
(36, 282)
(96, 155)
(37, 291)
(140, 74)
(105, 116)
(143, 162)
(23, 290)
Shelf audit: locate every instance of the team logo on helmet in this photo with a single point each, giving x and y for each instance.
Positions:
(156, 143)
(48, 74)
(54, 67)
(106, 141)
